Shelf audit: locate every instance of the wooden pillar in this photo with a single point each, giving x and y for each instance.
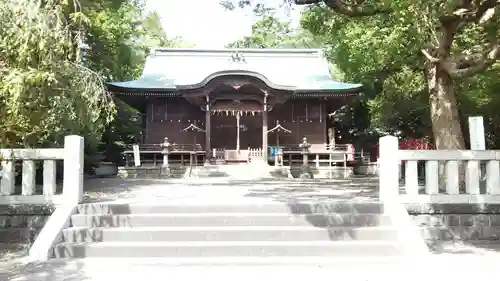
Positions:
(264, 130)
(208, 127)
(238, 131)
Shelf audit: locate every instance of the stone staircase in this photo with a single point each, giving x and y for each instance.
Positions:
(240, 171)
(237, 234)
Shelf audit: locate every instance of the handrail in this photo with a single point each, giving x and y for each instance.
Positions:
(174, 147)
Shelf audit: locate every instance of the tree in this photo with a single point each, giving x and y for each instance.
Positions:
(55, 57)
(120, 35)
(154, 36)
(442, 43)
(45, 90)
(445, 41)
(269, 31)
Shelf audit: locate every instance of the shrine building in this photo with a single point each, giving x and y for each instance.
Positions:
(236, 99)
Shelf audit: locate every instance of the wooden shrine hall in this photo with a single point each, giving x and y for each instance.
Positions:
(233, 100)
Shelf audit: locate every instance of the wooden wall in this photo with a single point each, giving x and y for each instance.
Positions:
(166, 117)
(304, 118)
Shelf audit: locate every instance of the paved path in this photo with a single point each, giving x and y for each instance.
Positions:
(454, 267)
(449, 265)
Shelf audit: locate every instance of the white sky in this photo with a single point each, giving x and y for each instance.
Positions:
(205, 23)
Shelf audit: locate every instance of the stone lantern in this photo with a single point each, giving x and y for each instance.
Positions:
(165, 146)
(278, 158)
(305, 172)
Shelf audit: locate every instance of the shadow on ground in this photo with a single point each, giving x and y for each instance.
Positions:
(110, 189)
(338, 206)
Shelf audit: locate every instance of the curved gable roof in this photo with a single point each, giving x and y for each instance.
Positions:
(297, 70)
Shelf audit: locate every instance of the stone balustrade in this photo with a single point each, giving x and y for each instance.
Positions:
(438, 176)
(72, 190)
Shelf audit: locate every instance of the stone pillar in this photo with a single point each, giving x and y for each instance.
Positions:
(305, 172)
(207, 130)
(165, 168)
(331, 136)
(264, 130)
(238, 131)
(389, 164)
(73, 169)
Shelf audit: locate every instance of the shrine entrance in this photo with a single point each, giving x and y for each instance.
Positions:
(236, 130)
(250, 130)
(236, 111)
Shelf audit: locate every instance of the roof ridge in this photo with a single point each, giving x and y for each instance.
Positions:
(157, 51)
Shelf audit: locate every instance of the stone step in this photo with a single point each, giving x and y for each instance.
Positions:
(272, 233)
(235, 170)
(227, 248)
(230, 219)
(293, 207)
(152, 263)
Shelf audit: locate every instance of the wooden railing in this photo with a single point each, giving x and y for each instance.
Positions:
(315, 148)
(438, 176)
(174, 148)
(72, 189)
(319, 154)
(218, 156)
(255, 154)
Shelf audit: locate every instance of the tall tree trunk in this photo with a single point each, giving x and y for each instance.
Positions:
(444, 110)
(445, 119)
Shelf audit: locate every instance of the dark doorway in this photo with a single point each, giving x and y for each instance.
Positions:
(223, 131)
(251, 131)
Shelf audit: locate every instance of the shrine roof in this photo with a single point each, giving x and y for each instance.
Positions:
(294, 70)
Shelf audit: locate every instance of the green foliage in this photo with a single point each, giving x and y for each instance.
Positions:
(269, 31)
(45, 93)
(51, 87)
(120, 35)
(402, 106)
(384, 51)
(381, 43)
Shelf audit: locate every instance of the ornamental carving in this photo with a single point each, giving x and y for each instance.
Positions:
(237, 57)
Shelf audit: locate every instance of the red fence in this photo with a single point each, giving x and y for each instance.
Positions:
(408, 144)
(415, 144)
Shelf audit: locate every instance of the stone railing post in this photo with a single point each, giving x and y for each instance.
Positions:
(165, 168)
(305, 171)
(73, 169)
(388, 168)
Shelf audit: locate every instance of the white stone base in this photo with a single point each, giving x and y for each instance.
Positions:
(106, 169)
(325, 172)
(369, 169)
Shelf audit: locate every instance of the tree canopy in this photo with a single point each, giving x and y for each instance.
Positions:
(269, 31)
(55, 57)
(45, 92)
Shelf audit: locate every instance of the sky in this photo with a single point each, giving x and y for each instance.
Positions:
(205, 23)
